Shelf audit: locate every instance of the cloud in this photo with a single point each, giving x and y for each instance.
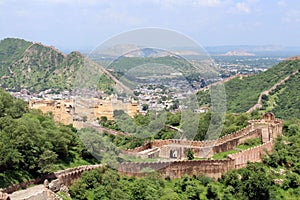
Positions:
(117, 17)
(291, 17)
(171, 4)
(207, 3)
(242, 7)
(71, 2)
(281, 3)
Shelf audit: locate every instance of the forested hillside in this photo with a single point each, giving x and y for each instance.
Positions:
(36, 67)
(285, 100)
(243, 93)
(31, 144)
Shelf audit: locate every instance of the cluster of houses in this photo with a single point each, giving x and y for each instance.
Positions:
(68, 107)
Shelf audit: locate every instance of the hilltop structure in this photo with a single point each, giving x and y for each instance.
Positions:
(106, 107)
(64, 111)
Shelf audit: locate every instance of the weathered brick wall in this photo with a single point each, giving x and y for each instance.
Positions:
(250, 155)
(138, 149)
(236, 134)
(212, 168)
(67, 177)
(160, 143)
(177, 169)
(132, 167)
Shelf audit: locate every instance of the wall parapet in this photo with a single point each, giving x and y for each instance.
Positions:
(253, 154)
(63, 175)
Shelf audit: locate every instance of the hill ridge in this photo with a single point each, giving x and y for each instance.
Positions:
(267, 92)
(36, 67)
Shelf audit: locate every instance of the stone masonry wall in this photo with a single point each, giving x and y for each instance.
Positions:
(213, 168)
(250, 155)
(66, 177)
(176, 169)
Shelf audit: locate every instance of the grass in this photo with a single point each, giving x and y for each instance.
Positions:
(138, 159)
(63, 196)
(246, 145)
(75, 162)
(200, 158)
(8, 178)
(223, 155)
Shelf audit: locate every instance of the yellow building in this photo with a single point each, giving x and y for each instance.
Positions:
(106, 107)
(62, 110)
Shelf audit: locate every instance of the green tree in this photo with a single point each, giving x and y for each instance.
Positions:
(145, 107)
(190, 154)
(212, 192)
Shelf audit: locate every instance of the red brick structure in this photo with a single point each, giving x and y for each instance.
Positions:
(267, 129)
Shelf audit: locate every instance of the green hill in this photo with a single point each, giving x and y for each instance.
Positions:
(285, 100)
(11, 50)
(36, 67)
(243, 93)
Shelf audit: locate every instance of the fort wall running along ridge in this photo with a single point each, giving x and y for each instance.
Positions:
(267, 129)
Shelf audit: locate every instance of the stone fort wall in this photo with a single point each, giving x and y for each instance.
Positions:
(256, 129)
(210, 168)
(267, 129)
(253, 154)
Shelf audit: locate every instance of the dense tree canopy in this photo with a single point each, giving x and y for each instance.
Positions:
(31, 143)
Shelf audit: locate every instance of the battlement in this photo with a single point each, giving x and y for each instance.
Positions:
(253, 154)
(267, 129)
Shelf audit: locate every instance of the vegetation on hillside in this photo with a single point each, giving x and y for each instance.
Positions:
(139, 125)
(286, 99)
(11, 50)
(36, 67)
(125, 64)
(31, 144)
(242, 94)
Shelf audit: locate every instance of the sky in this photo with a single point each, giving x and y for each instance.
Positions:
(83, 24)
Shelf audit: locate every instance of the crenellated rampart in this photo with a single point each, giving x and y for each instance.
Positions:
(253, 154)
(66, 177)
(211, 168)
(267, 129)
